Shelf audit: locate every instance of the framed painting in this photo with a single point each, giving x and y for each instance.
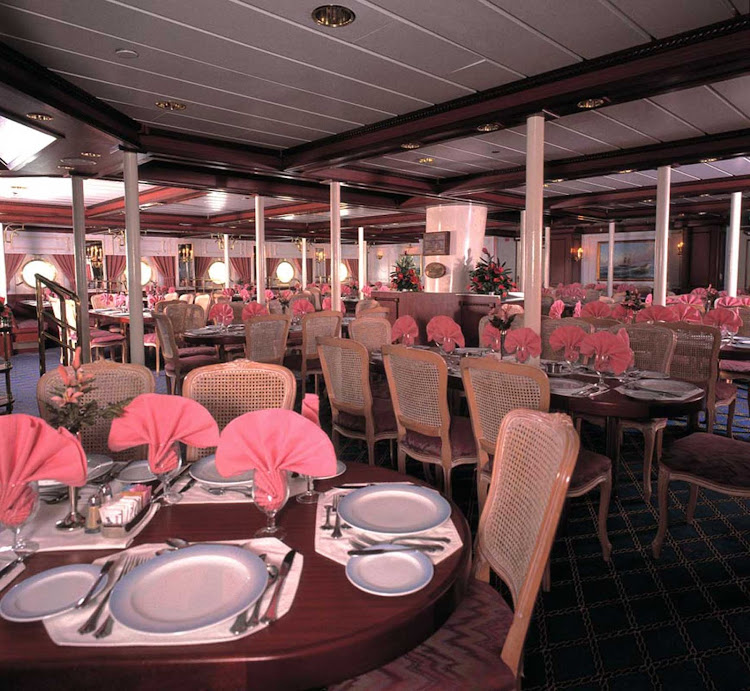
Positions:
(634, 260)
(435, 244)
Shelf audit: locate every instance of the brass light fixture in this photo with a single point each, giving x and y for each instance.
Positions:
(95, 255)
(320, 255)
(489, 127)
(680, 247)
(220, 240)
(297, 243)
(589, 103)
(90, 154)
(380, 254)
(119, 234)
(576, 253)
(170, 105)
(709, 160)
(39, 117)
(186, 254)
(410, 146)
(426, 160)
(11, 232)
(333, 16)
(626, 170)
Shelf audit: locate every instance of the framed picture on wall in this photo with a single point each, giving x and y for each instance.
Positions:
(436, 243)
(634, 260)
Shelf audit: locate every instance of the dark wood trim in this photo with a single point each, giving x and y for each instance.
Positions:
(159, 195)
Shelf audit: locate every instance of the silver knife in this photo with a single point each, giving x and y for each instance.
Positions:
(271, 614)
(12, 565)
(82, 602)
(405, 548)
(188, 485)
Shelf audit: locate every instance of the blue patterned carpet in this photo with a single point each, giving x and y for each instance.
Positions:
(679, 623)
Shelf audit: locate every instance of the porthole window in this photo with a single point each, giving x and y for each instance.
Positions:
(343, 272)
(284, 272)
(38, 266)
(217, 272)
(146, 273)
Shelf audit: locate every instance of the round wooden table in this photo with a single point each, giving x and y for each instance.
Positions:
(728, 352)
(333, 632)
(234, 336)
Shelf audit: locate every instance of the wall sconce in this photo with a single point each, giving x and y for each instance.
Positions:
(576, 253)
(11, 232)
(95, 255)
(297, 243)
(680, 247)
(220, 241)
(380, 254)
(320, 255)
(186, 254)
(118, 233)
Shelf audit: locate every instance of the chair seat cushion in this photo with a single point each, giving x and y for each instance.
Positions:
(190, 363)
(101, 337)
(384, 418)
(725, 392)
(463, 444)
(149, 339)
(196, 350)
(589, 466)
(293, 361)
(742, 366)
(463, 654)
(711, 457)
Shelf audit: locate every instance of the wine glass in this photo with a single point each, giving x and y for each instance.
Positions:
(601, 365)
(25, 508)
(170, 472)
(309, 496)
(449, 345)
(408, 339)
(571, 358)
(496, 344)
(270, 505)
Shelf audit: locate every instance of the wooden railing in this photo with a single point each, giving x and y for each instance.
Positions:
(60, 328)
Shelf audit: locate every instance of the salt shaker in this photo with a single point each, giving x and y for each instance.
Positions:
(93, 517)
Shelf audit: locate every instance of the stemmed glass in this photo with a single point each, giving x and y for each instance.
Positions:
(170, 495)
(271, 505)
(496, 344)
(309, 496)
(601, 363)
(28, 503)
(407, 339)
(571, 358)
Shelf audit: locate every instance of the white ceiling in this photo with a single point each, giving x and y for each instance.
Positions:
(58, 191)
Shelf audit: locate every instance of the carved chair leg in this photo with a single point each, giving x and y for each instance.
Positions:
(605, 492)
(401, 459)
(446, 481)
(662, 490)
(730, 418)
(659, 444)
(547, 577)
(371, 451)
(649, 442)
(692, 501)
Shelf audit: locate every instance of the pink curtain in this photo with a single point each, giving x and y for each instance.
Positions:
(352, 266)
(165, 267)
(243, 266)
(201, 266)
(13, 263)
(115, 266)
(67, 265)
(271, 265)
(297, 264)
(310, 271)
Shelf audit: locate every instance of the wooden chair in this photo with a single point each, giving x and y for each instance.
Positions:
(177, 362)
(176, 311)
(729, 370)
(314, 325)
(100, 340)
(418, 382)
(188, 297)
(702, 460)
(481, 644)
(231, 389)
(195, 317)
(316, 298)
(696, 360)
(549, 325)
(602, 323)
(114, 382)
(100, 301)
(204, 300)
(381, 312)
(364, 305)
(356, 414)
(275, 307)
(266, 337)
(495, 388)
(371, 333)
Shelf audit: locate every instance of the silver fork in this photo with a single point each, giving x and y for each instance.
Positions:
(406, 545)
(106, 628)
(92, 622)
(336, 534)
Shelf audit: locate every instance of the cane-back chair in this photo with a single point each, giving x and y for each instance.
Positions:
(265, 338)
(315, 325)
(371, 333)
(549, 325)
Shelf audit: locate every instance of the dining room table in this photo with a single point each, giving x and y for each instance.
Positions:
(736, 349)
(333, 630)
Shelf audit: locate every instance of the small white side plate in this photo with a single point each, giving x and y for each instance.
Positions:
(340, 470)
(204, 471)
(98, 465)
(398, 572)
(50, 592)
(137, 471)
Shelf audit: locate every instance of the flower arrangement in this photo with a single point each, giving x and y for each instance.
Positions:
(68, 409)
(633, 300)
(490, 276)
(404, 275)
(502, 317)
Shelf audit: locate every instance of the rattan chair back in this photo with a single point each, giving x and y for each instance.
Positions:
(365, 304)
(602, 323)
(167, 340)
(696, 354)
(346, 370)
(176, 312)
(204, 300)
(188, 297)
(195, 317)
(265, 338)
(237, 307)
(381, 312)
(315, 298)
(113, 383)
(316, 325)
(231, 389)
(371, 333)
(744, 313)
(653, 346)
(534, 460)
(160, 306)
(100, 301)
(549, 325)
(275, 307)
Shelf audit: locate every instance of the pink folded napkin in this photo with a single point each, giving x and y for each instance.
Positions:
(692, 298)
(246, 295)
(222, 313)
(378, 285)
(311, 408)
(610, 351)
(327, 305)
(687, 313)
(596, 309)
(577, 309)
(367, 291)
(621, 313)
(160, 421)
(121, 301)
(325, 289)
(700, 292)
(301, 307)
(656, 313)
(346, 290)
(253, 309)
(271, 441)
(523, 342)
(269, 295)
(491, 337)
(404, 327)
(723, 318)
(31, 450)
(557, 309)
(568, 339)
(441, 328)
(729, 302)
(649, 299)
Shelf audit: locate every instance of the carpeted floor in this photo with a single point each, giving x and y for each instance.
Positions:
(681, 622)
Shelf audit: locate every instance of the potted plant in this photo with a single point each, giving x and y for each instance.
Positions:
(404, 275)
(490, 277)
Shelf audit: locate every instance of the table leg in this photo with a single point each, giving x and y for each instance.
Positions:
(222, 353)
(613, 449)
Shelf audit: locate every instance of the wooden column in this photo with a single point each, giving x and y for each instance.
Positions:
(79, 257)
(335, 244)
(732, 270)
(260, 251)
(133, 256)
(532, 230)
(521, 250)
(661, 245)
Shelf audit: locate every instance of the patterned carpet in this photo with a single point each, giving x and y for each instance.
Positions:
(682, 622)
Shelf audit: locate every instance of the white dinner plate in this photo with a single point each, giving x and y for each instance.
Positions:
(473, 352)
(204, 471)
(394, 509)
(189, 589)
(98, 465)
(645, 374)
(566, 387)
(49, 592)
(137, 471)
(340, 470)
(679, 388)
(397, 572)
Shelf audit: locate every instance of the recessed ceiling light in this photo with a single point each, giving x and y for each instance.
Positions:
(708, 160)
(66, 167)
(705, 194)
(410, 145)
(589, 103)
(126, 53)
(626, 170)
(90, 154)
(489, 127)
(39, 117)
(333, 16)
(557, 180)
(648, 201)
(170, 105)
(72, 160)
(546, 185)
(426, 159)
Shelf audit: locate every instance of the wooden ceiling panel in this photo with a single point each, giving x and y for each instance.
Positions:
(667, 17)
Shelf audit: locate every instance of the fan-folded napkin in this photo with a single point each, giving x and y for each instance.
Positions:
(656, 313)
(301, 307)
(404, 326)
(222, 313)
(523, 342)
(557, 309)
(687, 313)
(611, 351)
(441, 327)
(253, 309)
(723, 318)
(568, 339)
(596, 309)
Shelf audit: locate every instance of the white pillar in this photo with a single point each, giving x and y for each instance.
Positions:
(303, 251)
(335, 244)
(133, 255)
(521, 250)
(546, 255)
(532, 227)
(79, 259)
(362, 253)
(732, 270)
(3, 276)
(611, 260)
(260, 251)
(227, 266)
(252, 264)
(661, 246)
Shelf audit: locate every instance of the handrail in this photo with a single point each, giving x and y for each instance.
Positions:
(62, 339)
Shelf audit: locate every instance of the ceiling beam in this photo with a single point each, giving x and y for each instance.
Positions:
(385, 219)
(160, 195)
(377, 179)
(271, 212)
